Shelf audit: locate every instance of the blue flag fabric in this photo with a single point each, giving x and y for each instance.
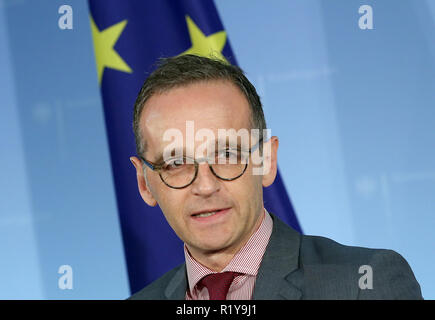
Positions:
(129, 38)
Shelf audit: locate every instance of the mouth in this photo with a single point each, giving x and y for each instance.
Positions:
(209, 214)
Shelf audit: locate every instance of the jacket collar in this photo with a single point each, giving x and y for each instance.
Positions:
(279, 276)
(176, 289)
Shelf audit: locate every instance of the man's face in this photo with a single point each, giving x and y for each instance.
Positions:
(239, 203)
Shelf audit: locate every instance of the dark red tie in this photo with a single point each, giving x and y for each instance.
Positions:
(218, 284)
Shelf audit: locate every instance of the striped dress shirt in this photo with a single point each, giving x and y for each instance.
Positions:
(246, 261)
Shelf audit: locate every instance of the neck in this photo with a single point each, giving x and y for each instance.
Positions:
(217, 260)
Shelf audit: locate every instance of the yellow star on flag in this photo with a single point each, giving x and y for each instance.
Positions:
(203, 45)
(104, 43)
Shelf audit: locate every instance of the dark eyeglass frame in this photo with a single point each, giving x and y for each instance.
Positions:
(158, 167)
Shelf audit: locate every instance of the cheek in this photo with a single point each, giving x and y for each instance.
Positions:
(256, 192)
(248, 192)
(159, 190)
(171, 202)
(252, 184)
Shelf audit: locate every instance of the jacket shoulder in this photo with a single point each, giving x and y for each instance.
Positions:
(156, 289)
(366, 273)
(322, 250)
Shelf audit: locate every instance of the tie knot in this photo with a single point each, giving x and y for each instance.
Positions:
(218, 284)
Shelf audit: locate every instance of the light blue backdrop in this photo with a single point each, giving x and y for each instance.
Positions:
(354, 111)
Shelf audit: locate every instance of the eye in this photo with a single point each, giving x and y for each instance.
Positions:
(173, 164)
(228, 154)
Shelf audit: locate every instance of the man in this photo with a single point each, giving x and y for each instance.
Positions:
(213, 200)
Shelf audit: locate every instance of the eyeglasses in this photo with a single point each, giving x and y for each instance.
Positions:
(180, 172)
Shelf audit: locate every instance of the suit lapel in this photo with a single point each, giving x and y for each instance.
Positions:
(279, 276)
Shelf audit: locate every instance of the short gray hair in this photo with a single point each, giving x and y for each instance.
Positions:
(187, 69)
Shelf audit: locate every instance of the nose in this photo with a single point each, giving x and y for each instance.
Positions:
(206, 183)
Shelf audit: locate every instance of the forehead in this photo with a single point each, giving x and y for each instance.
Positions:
(210, 105)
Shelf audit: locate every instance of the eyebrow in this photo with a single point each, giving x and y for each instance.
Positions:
(161, 160)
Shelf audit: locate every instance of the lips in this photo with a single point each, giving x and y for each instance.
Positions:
(208, 213)
(197, 213)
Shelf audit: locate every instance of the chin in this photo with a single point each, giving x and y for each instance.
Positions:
(214, 245)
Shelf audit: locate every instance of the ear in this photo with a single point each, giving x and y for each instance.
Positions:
(141, 183)
(270, 165)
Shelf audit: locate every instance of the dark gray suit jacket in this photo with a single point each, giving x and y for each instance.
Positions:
(296, 266)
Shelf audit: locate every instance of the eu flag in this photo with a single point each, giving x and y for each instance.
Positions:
(129, 37)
